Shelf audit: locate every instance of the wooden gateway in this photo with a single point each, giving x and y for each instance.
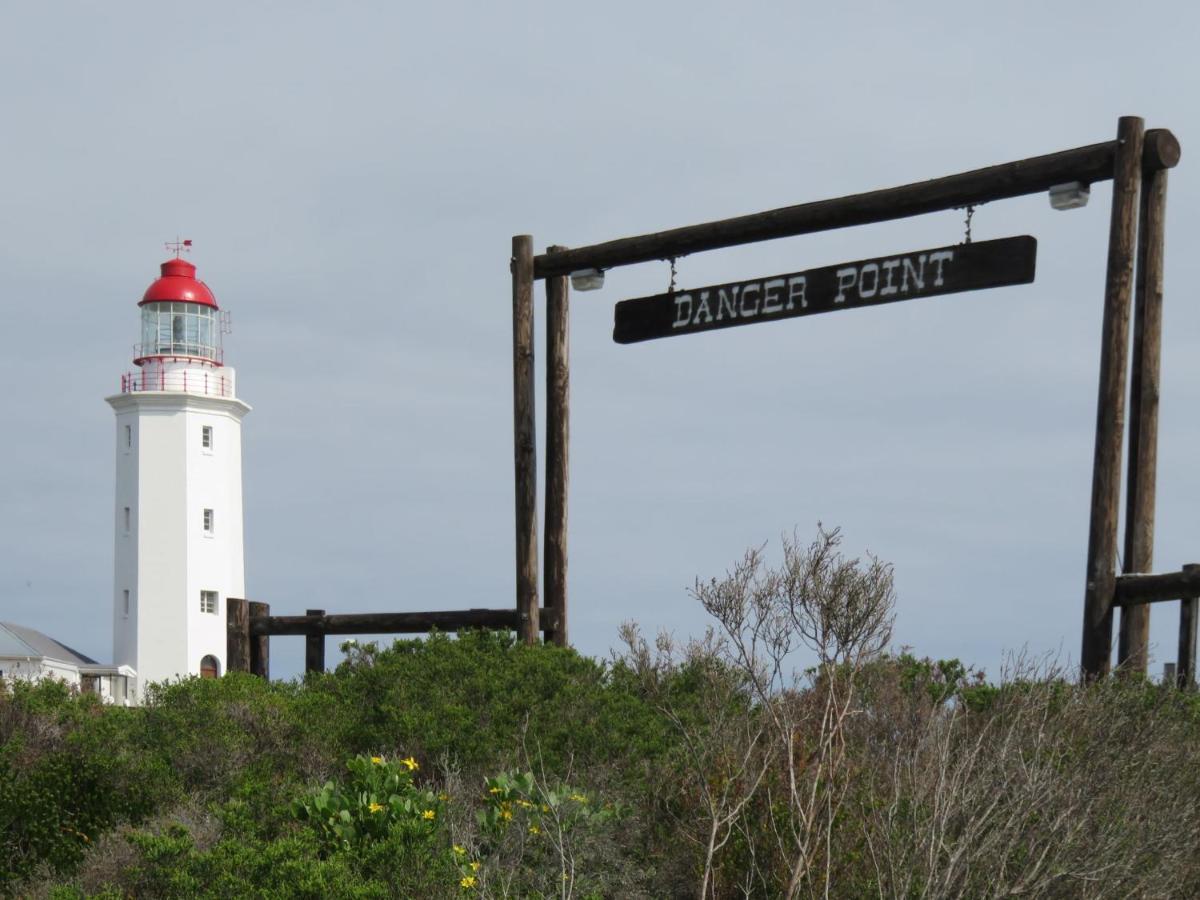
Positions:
(1136, 162)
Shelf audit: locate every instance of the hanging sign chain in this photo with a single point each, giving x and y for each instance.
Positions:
(671, 289)
(970, 215)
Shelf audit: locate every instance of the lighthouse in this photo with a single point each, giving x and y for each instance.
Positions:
(178, 544)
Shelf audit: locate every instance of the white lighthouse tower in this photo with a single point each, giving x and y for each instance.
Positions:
(179, 486)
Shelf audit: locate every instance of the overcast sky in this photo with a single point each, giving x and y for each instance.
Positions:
(352, 175)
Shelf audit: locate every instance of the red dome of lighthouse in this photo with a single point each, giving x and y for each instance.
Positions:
(178, 283)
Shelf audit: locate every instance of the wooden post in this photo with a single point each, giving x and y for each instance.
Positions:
(237, 635)
(558, 437)
(314, 645)
(524, 439)
(1134, 641)
(1185, 674)
(260, 644)
(1096, 655)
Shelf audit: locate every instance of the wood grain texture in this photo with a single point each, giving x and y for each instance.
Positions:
(1161, 150)
(1189, 608)
(317, 622)
(237, 635)
(1159, 588)
(1090, 164)
(314, 642)
(524, 438)
(558, 442)
(1096, 654)
(260, 646)
(1133, 643)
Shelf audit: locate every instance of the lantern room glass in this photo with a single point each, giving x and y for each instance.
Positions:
(180, 329)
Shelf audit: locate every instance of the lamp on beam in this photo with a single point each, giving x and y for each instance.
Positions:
(587, 279)
(1071, 195)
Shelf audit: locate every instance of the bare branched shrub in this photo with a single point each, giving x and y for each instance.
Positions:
(1051, 789)
(725, 749)
(840, 611)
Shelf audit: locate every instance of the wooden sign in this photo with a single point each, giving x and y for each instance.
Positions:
(868, 282)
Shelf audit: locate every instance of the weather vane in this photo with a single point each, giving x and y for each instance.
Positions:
(178, 246)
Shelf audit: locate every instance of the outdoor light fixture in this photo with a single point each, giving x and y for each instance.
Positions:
(1071, 195)
(587, 279)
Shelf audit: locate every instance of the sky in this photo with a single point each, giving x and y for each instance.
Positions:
(352, 174)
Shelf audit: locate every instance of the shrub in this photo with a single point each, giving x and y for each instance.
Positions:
(379, 800)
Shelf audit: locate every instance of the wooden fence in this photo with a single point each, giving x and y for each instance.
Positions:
(1134, 591)
(250, 627)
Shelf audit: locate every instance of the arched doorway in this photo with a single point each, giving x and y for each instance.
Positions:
(210, 667)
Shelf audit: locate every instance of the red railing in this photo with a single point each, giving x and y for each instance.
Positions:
(212, 384)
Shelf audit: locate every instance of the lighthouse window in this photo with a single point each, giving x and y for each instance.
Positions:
(128, 435)
(164, 335)
(208, 521)
(127, 520)
(206, 437)
(125, 607)
(208, 602)
(179, 329)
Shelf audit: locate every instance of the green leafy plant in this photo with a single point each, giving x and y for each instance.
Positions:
(379, 800)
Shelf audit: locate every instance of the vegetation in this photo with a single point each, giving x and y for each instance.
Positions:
(477, 767)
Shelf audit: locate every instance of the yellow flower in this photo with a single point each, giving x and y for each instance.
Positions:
(375, 807)
(443, 797)
(533, 829)
(506, 814)
(545, 808)
(459, 851)
(524, 804)
(428, 814)
(475, 866)
(468, 881)
(578, 798)
(411, 763)
(493, 790)
(377, 760)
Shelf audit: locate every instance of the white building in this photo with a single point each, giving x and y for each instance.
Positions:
(178, 513)
(32, 656)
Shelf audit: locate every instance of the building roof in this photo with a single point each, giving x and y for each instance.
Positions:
(178, 282)
(16, 640)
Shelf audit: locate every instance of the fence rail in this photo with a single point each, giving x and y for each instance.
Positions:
(1136, 590)
(250, 625)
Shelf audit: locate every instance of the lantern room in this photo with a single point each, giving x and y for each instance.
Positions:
(180, 318)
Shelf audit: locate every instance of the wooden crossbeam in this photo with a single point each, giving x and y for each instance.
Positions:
(1088, 164)
(1132, 590)
(394, 623)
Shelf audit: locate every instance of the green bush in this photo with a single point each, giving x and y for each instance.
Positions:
(537, 763)
(467, 699)
(69, 774)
